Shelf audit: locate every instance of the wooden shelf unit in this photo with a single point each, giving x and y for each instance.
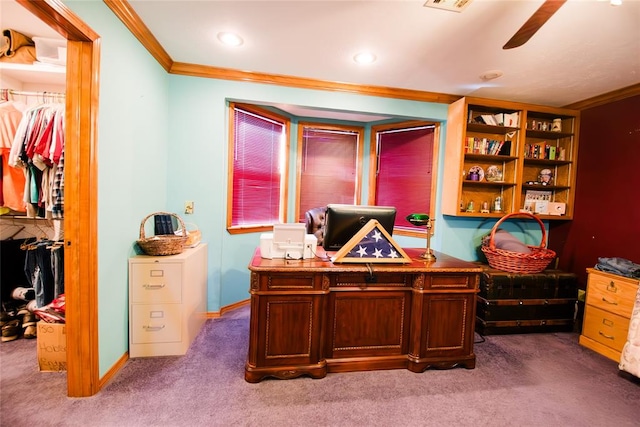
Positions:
(519, 159)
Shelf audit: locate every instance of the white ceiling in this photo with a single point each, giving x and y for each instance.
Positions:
(586, 49)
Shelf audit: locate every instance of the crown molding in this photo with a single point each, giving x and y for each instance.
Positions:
(305, 83)
(606, 98)
(123, 10)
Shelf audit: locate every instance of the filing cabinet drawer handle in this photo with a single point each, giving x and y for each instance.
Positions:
(149, 286)
(609, 337)
(609, 302)
(152, 328)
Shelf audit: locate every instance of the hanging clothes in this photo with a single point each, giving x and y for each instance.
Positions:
(37, 149)
(13, 179)
(44, 268)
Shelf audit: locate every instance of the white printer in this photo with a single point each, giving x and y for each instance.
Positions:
(288, 241)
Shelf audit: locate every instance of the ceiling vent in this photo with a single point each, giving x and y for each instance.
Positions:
(452, 5)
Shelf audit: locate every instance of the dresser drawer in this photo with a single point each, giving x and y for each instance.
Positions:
(156, 323)
(605, 327)
(450, 281)
(366, 280)
(156, 283)
(611, 293)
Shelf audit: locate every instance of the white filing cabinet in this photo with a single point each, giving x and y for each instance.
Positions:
(167, 302)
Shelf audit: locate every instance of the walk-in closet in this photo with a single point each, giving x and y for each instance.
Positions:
(32, 120)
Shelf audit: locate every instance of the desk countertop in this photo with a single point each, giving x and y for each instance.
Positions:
(322, 261)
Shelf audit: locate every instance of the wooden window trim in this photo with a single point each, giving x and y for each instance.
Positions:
(284, 194)
(300, 148)
(373, 159)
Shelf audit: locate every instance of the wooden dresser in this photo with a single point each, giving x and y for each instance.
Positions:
(608, 306)
(311, 317)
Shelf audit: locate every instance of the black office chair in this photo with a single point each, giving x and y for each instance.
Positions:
(314, 220)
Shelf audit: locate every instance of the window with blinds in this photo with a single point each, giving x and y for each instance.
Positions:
(329, 159)
(404, 170)
(258, 168)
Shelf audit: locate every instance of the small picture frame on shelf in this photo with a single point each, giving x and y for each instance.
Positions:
(537, 201)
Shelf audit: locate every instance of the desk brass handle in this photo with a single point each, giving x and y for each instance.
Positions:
(153, 328)
(609, 302)
(160, 286)
(609, 337)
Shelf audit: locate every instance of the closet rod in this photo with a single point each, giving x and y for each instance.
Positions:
(25, 93)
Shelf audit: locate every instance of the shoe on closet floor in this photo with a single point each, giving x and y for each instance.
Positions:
(23, 294)
(29, 319)
(31, 331)
(22, 310)
(6, 317)
(11, 330)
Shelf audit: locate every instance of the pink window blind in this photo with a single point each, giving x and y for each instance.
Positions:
(405, 160)
(329, 168)
(256, 169)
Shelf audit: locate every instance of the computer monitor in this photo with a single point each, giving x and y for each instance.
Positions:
(344, 221)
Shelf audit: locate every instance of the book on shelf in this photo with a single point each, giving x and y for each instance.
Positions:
(494, 119)
(543, 151)
(485, 146)
(505, 149)
(561, 153)
(489, 119)
(511, 119)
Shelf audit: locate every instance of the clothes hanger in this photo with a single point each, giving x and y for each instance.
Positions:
(22, 227)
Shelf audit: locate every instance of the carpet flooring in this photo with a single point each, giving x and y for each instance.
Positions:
(519, 380)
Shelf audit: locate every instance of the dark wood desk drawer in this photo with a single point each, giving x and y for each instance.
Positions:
(360, 280)
(283, 282)
(450, 281)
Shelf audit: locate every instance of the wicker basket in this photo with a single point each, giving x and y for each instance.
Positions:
(194, 235)
(516, 262)
(169, 244)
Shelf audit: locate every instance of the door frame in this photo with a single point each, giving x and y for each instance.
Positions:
(80, 193)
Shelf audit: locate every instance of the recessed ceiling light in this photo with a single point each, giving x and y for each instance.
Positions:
(490, 75)
(230, 39)
(364, 58)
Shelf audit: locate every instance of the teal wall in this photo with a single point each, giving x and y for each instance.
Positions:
(133, 155)
(163, 140)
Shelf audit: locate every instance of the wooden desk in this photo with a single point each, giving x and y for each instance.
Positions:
(310, 317)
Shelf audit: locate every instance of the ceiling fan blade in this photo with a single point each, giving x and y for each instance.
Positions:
(534, 23)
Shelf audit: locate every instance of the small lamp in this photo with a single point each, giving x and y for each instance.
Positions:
(419, 220)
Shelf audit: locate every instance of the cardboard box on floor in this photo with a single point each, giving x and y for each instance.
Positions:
(52, 346)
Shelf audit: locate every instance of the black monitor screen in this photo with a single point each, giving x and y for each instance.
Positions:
(344, 221)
